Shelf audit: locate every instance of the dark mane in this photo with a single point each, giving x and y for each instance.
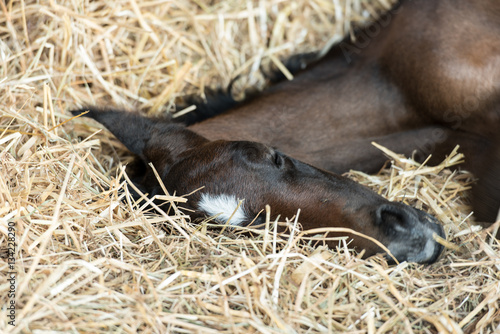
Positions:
(217, 102)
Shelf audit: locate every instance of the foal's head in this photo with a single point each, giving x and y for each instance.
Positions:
(238, 178)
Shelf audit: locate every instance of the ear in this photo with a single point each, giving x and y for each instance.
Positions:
(153, 139)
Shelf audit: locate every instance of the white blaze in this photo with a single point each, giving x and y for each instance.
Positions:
(223, 206)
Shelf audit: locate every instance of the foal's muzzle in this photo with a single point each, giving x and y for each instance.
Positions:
(410, 233)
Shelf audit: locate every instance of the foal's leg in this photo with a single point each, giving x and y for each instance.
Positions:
(360, 154)
(482, 158)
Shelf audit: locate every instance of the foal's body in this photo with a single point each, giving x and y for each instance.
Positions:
(427, 79)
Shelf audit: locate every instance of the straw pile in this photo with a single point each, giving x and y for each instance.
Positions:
(87, 261)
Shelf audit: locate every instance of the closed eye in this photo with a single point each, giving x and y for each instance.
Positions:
(278, 159)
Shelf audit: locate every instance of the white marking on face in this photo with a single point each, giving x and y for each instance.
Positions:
(223, 206)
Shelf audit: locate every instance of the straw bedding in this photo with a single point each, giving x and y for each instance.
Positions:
(89, 259)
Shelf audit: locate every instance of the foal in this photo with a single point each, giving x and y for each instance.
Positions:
(425, 77)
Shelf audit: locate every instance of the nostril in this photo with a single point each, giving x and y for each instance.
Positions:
(394, 216)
